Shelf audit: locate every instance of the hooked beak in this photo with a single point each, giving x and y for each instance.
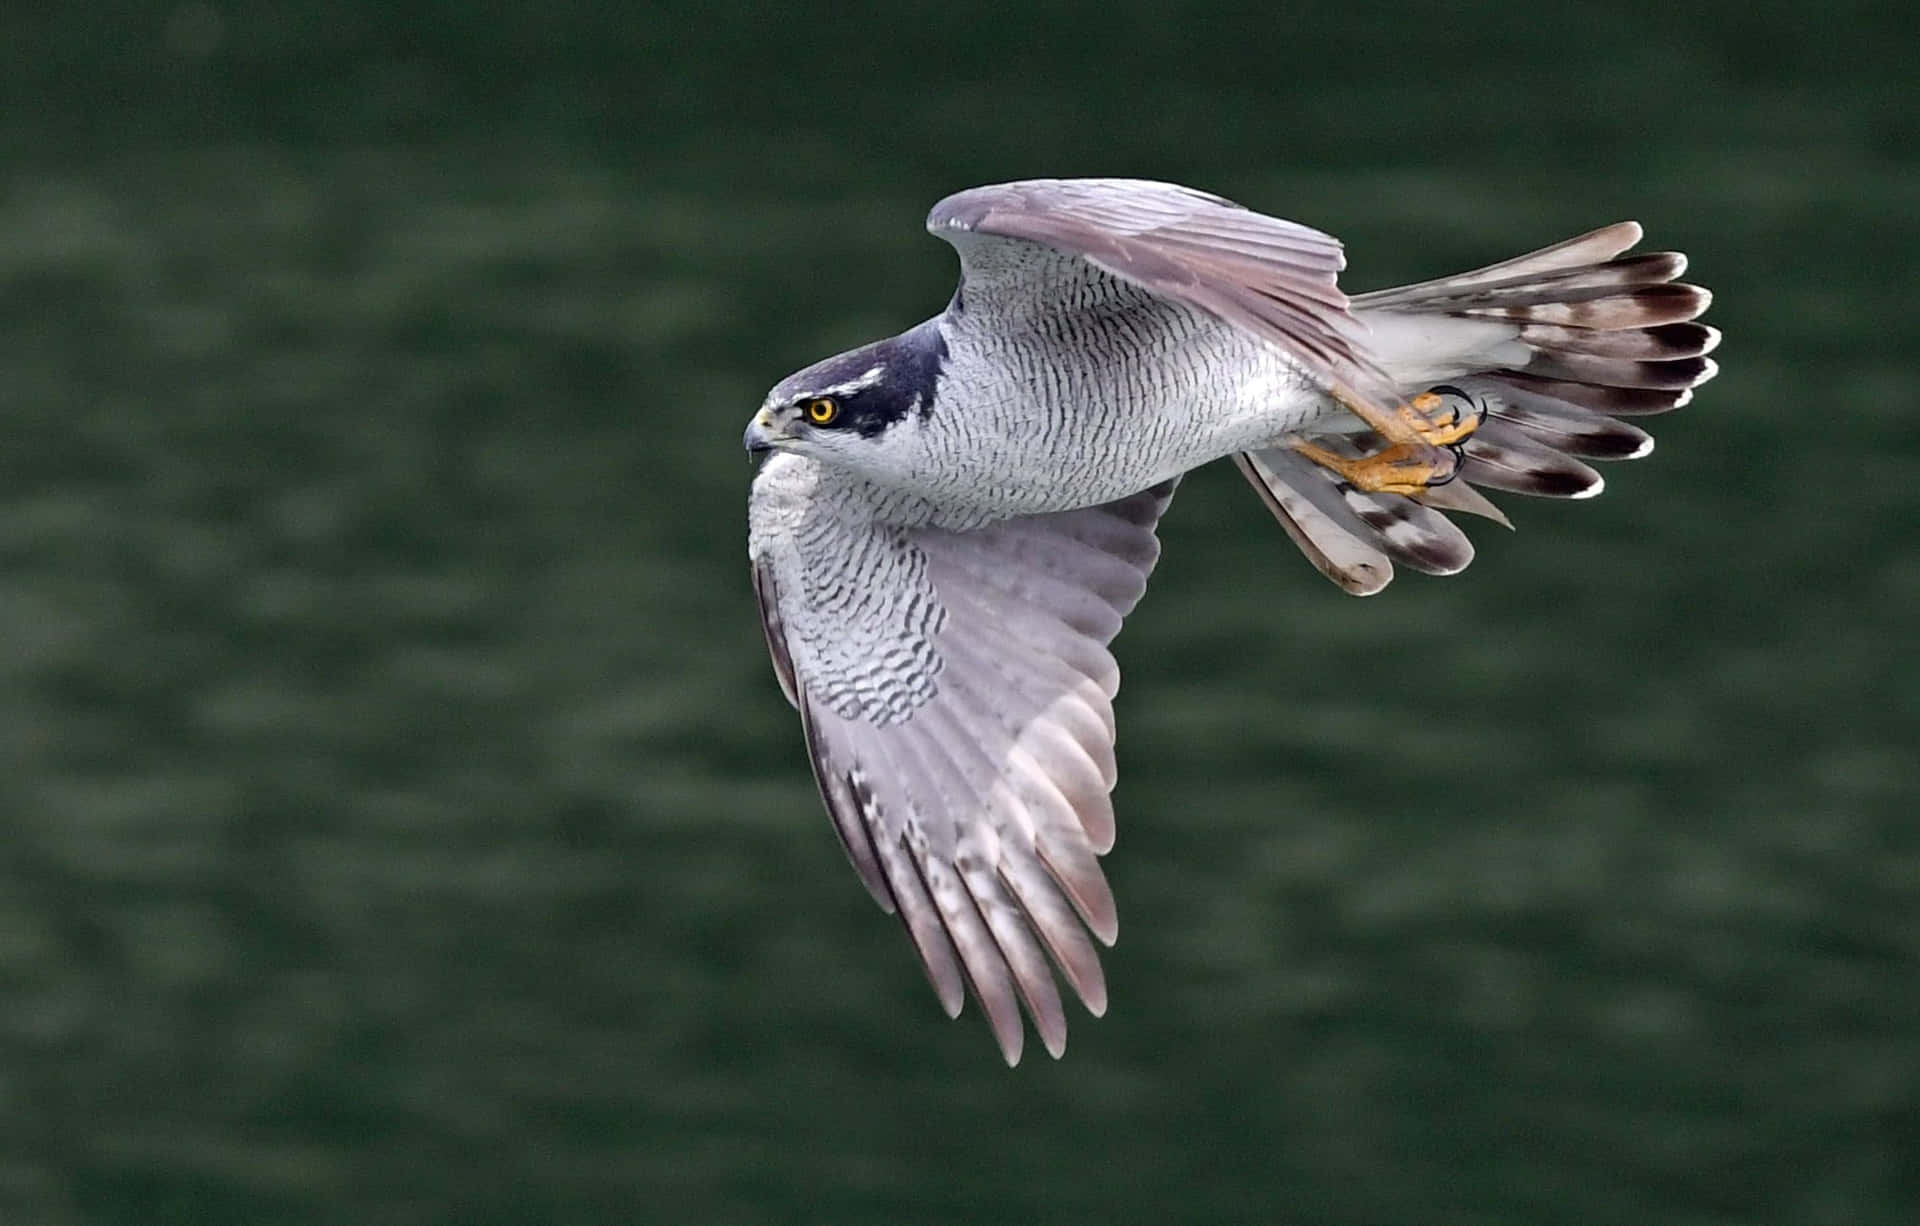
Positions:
(763, 432)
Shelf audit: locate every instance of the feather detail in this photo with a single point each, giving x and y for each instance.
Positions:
(1336, 550)
(929, 933)
(1052, 916)
(1504, 459)
(1592, 247)
(1549, 347)
(974, 795)
(1675, 375)
(1644, 306)
(1349, 534)
(1657, 343)
(1022, 872)
(1563, 285)
(1414, 535)
(1461, 497)
(1565, 427)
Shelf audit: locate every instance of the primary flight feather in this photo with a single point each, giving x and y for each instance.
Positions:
(956, 520)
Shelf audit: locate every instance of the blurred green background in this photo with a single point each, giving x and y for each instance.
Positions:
(401, 823)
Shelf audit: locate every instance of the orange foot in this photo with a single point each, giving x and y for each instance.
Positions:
(1440, 421)
(1397, 468)
(1423, 438)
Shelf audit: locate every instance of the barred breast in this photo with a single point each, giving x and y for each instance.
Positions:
(1085, 407)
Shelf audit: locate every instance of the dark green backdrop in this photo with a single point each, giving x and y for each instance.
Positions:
(399, 821)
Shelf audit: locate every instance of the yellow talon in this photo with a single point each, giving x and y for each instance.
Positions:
(1398, 468)
(1422, 445)
(1422, 416)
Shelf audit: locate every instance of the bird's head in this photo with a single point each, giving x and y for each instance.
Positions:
(855, 410)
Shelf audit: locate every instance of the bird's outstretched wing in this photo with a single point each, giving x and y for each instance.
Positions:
(956, 690)
(1033, 247)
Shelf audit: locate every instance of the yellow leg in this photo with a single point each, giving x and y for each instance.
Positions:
(1398, 468)
(1424, 419)
(1422, 438)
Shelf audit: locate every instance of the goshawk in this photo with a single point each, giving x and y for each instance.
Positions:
(957, 518)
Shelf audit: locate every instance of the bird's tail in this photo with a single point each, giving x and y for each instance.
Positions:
(1550, 348)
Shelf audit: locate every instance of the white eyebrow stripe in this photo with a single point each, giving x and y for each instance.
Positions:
(854, 385)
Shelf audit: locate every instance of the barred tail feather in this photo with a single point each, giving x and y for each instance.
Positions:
(1588, 249)
(1354, 537)
(1333, 546)
(1552, 348)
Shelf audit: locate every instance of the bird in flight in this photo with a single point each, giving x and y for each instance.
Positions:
(953, 521)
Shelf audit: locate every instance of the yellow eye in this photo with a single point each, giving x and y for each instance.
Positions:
(821, 410)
